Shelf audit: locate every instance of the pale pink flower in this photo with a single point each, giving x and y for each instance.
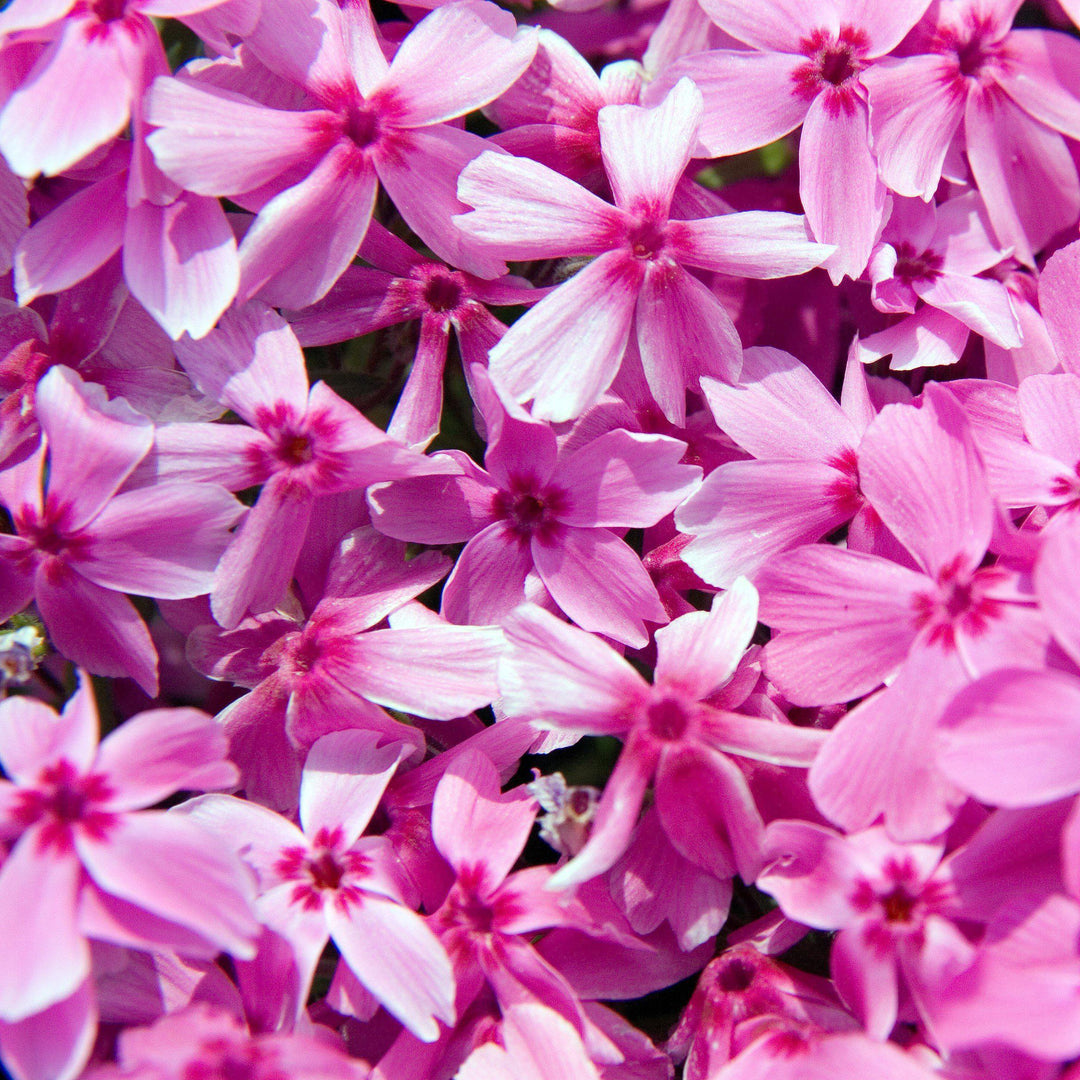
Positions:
(365, 121)
(326, 880)
(88, 861)
(562, 678)
(565, 352)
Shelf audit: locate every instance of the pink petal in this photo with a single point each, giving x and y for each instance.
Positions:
(780, 409)
(920, 465)
(162, 541)
(601, 584)
(252, 363)
(700, 650)
(162, 751)
(875, 761)
(56, 1043)
(1008, 738)
(844, 206)
(754, 243)
(420, 172)
(772, 26)
(393, 953)
(779, 504)
(403, 508)
(1024, 172)
(929, 338)
(749, 99)
(564, 353)
(885, 27)
(345, 775)
(458, 664)
(866, 979)
(624, 480)
(95, 627)
(683, 332)
(480, 56)
(1049, 411)
(774, 742)
(1056, 587)
(489, 578)
(530, 211)
(982, 305)
(616, 815)
(846, 618)
(180, 262)
(708, 812)
(912, 120)
(33, 736)
(303, 239)
(165, 864)
(811, 870)
(304, 42)
(41, 128)
(474, 825)
(214, 142)
(258, 564)
(416, 416)
(46, 957)
(1041, 78)
(561, 676)
(646, 151)
(1057, 291)
(46, 261)
(92, 451)
(257, 834)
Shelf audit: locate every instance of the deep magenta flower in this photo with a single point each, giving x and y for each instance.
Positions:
(538, 512)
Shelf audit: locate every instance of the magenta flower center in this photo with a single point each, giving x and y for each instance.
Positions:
(362, 125)
(833, 66)
(736, 976)
(977, 56)
(108, 10)
(322, 871)
(647, 240)
(63, 799)
(959, 605)
(444, 291)
(912, 266)
(667, 719)
(530, 509)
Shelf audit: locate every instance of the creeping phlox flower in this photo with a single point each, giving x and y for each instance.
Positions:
(744, 338)
(88, 861)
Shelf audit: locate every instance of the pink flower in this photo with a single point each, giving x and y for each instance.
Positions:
(1006, 94)
(565, 352)
(364, 121)
(303, 442)
(79, 546)
(88, 861)
(806, 64)
(563, 679)
(536, 512)
(326, 879)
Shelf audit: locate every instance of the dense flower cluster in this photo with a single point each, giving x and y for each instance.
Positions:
(702, 623)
